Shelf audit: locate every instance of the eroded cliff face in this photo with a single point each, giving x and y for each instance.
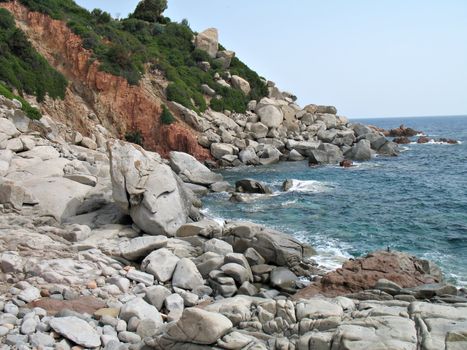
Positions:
(118, 106)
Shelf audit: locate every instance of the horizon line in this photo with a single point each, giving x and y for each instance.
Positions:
(409, 116)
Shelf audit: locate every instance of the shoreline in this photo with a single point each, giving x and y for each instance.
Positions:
(104, 250)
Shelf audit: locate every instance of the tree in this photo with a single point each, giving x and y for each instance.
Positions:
(150, 10)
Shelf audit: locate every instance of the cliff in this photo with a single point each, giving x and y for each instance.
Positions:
(118, 106)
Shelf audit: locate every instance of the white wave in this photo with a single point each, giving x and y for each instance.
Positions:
(310, 186)
(207, 213)
(434, 142)
(420, 134)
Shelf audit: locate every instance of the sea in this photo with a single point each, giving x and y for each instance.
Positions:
(414, 203)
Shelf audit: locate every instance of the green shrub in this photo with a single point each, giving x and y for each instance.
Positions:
(22, 67)
(167, 117)
(150, 10)
(135, 137)
(31, 112)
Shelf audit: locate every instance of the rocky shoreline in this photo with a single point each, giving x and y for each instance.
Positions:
(102, 245)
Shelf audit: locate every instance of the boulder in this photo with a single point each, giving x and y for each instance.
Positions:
(147, 189)
(367, 272)
(217, 246)
(325, 154)
(240, 83)
(389, 149)
(361, 151)
(76, 330)
(192, 170)
(8, 128)
(259, 130)
(248, 156)
(198, 326)
(161, 264)
(225, 58)
(218, 150)
(270, 115)
(251, 186)
(139, 308)
(191, 117)
(139, 247)
(402, 131)
(295, 156)
(186, 275)
(208, 41)
(206, 228)
(329, 120)
(404, 140)
(283, 279)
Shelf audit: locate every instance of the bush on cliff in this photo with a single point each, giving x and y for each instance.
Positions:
(167, 117)
(31, 112)
(22, 67)
(135, 137)
(150, 10)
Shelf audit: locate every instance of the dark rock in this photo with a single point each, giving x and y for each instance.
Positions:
(403, 140)
(346, 163)
(423, 139)
(402, 131)
(251, 186)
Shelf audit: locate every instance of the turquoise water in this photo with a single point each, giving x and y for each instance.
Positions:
(416, 203)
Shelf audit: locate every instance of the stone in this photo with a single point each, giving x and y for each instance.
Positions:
(253, 257)
(88, 143)
(317, 308)
(183, 163)
(161, 264)
(325, 154)
(174, 304)
(139, 276)
(219, 150)
(186, 275)
(76, 330)
(137, 307)
(270, 115)
(29, 294)
(206, 228)
(295, 156)
(207, 90)
(41, 340)
(239, 273)
(248, 156)
(217, 246)
(388, 286)
(139, 247)
(240, 83)
(28, 326)
(283, 279)
(147, 189)
(8, 128)
(208, 41)
(361, 151)
(251, 186)
(12, 193)
(87, 180)
(198, 326)
(155, 295)
(129, 337)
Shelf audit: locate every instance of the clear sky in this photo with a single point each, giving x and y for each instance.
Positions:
(369, 58)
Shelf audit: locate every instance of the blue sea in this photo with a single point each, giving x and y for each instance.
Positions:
(415, 203)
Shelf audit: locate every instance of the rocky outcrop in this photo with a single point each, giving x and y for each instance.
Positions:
(147, 189)
(364, 273)
(402, 131)
(208, 41)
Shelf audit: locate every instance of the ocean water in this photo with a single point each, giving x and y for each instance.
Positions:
(415, 203)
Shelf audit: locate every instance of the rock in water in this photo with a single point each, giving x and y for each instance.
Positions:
(147, 189)
(251, 186)
(76, 330)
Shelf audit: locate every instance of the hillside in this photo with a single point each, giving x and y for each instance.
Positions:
(155, 61)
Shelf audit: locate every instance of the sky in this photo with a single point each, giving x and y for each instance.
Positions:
(368, 58)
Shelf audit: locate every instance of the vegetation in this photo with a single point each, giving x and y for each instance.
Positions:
(31, 112)
(21, 67)
(124, 47)
(166, 117)
(150, 10)
(135, 137)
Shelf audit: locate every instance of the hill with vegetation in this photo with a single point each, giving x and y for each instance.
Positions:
(126, 47)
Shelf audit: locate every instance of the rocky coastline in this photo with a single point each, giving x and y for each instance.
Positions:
(102, 245)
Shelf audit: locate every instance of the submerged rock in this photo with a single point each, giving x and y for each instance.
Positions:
(252, 186)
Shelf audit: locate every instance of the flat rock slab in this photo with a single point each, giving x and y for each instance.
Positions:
(76, 330)
(140, 247)
(82, 305)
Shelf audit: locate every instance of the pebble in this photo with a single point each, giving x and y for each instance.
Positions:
(41, 340)
(129, 337)
(28, 326)
(121, 326)
(3, 331)
(11, 308)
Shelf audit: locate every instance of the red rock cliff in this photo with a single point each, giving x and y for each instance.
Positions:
(120, 107)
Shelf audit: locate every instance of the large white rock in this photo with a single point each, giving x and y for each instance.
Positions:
(76, 330)
(139, 247)
(240, 83)
(208, 41)
(147, 189)
(8, 128)
(199, 327)
(186, 275)
(192, 170)
(218, 150)
(161, 263)
(270, 115)
(137, 307)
